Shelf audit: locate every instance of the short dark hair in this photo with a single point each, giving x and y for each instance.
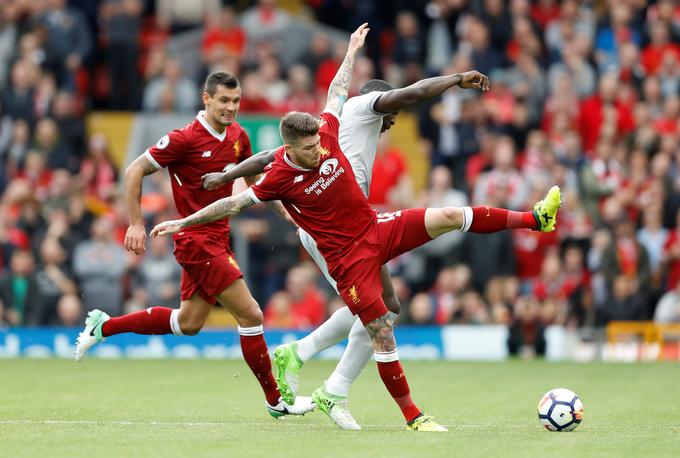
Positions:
(216, 79)
(375, 85)
(295, 125)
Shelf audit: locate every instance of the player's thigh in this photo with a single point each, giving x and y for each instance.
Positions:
(389, 295)
(237, 299)
(192, 314)
(439, 221)
(312, 249)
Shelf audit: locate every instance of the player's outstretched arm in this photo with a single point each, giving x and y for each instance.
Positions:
(339, 88)
(229, 206)
(399, 99)
(252, 166)
(135, 237)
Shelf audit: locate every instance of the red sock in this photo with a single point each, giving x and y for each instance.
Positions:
(489, 219)
(256, 354)
(154, 320)
(392, 375)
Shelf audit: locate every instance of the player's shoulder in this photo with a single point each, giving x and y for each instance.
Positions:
(362, 103)
(236, 131)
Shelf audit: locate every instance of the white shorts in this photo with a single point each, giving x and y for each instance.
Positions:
(310, 245)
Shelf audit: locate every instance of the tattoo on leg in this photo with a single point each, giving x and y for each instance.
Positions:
(382, 334)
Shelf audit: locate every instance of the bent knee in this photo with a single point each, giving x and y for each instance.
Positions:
(191, 328)
(250, 316)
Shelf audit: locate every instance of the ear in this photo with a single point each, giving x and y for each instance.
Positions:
(205, 96)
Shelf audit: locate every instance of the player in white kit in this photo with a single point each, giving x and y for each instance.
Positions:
(363, 119)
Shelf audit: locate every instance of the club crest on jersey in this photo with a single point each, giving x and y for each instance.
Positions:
(328, 167)
(163, 142)
(324, 151)
(354, 294)
(237, 148)
(206, 154)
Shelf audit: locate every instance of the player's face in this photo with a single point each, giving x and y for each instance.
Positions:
(388, 121)
(306, 151)
(223, 106)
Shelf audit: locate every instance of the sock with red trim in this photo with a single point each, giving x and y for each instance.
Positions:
(256, 354)
(153, 320)
(392, 375)
(485, 220)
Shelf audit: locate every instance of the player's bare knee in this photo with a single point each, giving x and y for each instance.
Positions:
(191, 328)
(382, 334)
(250, 316)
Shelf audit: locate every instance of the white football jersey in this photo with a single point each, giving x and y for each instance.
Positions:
(359, 131)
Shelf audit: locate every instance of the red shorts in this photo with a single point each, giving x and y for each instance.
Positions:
(357, 272)
(208, 265)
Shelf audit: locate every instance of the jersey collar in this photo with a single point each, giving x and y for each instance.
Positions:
(209, 128)
(295, 166)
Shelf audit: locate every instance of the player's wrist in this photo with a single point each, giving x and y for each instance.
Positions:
(457, 79)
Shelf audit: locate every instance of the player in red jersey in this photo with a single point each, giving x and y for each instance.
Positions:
(315, 182)
(210, 273)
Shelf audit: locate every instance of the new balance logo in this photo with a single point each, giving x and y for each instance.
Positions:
(297, 179)
(206, 154)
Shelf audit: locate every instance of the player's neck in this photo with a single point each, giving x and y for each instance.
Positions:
(217, 127)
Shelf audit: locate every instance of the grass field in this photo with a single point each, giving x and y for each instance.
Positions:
(51, 408)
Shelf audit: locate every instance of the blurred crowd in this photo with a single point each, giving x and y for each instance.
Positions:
(584, 94)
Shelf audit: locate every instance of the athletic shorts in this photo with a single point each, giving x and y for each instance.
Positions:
(203, 272)
(357, 271)
(310, 246)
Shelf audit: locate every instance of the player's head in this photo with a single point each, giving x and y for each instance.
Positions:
(380, 86)
(300, 134)
(221, 97)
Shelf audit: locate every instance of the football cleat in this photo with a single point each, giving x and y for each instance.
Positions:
(427, 424)
(545, 211)
(335, 407)
(301, 406)
(91, 335)
(288, 365)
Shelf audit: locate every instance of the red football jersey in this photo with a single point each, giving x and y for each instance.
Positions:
(325, 201)
(189, 153)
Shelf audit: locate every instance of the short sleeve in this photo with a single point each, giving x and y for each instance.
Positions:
(265, 189)
(246, 150)
(362, 106)
(330, 124)
(170, 149)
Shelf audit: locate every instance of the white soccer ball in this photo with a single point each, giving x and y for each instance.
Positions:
(560, 409)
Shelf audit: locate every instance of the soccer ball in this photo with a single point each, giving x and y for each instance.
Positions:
(560, 409)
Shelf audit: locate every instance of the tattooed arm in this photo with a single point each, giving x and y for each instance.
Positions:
(135, 237)
(339, 88)
(250, 167)
(229, 206)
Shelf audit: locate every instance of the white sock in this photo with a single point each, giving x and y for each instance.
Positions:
(357, 354)
(333, 330)
(174, 323)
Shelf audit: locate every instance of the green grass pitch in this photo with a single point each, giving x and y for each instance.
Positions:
(192, 408)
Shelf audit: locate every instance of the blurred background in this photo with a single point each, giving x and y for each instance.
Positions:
(584, 94)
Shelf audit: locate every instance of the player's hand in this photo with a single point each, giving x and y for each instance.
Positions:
(135, 239)
(213, 180)
(356, 40)
(474, 80)
(167, 228)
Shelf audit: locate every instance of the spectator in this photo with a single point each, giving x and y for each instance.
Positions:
(17, 100)
(409, 47)
(668, 308)
(68, 40)
(626, 257)
(121, 21)
(57, 153)
(301, 300)
(70, 310)
(19, 294)
(97, 175)
(318, 52)
(158, 275)
(99, 265)
(69, 124)
(181, 15)
(660, 45)
(53, 280)
(390, 183)
(223, 34)
(503, 179)
(172, 91)
(301, 96)
(421, 309)
(265, 22)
